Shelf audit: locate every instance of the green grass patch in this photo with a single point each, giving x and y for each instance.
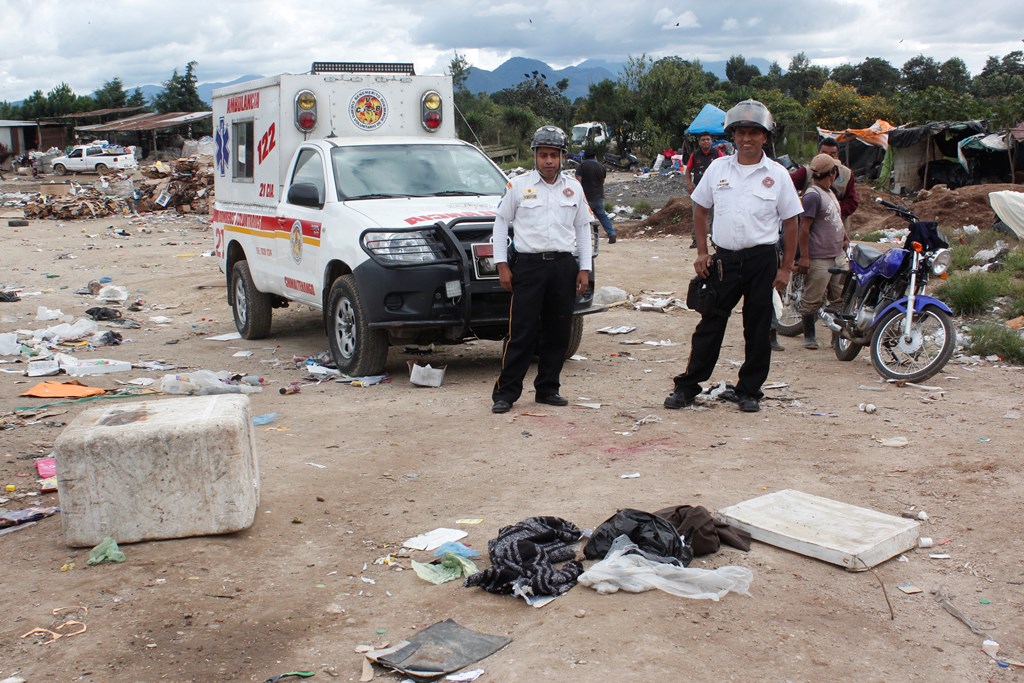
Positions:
(969, 294)
(642, 207)
(872, 237)
(988, 339)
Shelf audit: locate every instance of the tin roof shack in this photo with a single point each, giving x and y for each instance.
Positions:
(922, 156)
(24, 136)
(146, 127)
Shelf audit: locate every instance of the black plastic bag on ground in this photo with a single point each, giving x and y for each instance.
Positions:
(652, 534)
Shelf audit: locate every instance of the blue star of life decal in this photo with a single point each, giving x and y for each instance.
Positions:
(221, 139)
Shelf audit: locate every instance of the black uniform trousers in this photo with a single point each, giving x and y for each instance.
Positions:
(540, 323)
(750, 274)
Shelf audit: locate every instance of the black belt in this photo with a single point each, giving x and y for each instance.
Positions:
(542, 256)
(744, 253)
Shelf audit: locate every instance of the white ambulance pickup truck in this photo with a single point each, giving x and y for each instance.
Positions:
(346, 189)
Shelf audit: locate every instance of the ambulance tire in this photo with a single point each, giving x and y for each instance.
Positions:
(357, 349)
(250, 306)
(575, 336)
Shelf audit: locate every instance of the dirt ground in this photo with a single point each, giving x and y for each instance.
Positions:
(299, 590)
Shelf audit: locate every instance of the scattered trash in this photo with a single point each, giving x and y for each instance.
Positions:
(627, 567)
(924, 542)
(96, 366)
(984, 439)
(290, 674)
(105, 551)
(11, 518)
(204, 383)
(465, 676)
(63, 617)
(439, 649)
(72, 389)
(909, 588)
(434, 539)
(940, 556)
(947, 604)
(894, 441)
(103, 313)
(265, 419)
(44, 313)
(606, 296)
(620, 329)
(425, 375)
(868, 408)
(229, 336)
(113, 293)
(631, 475)
(450, 567)
(1011, 415)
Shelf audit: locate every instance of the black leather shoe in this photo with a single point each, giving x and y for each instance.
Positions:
(749, 405)
(501, 407)
(677, 400)
(612, 239)
(553, 400)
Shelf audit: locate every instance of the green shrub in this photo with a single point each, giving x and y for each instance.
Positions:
(872, 237)
(1013, 264)
(642, 207)
(969, 294)
(988, 339)
(963, 257)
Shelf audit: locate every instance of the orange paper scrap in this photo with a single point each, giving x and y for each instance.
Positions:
(73, 389)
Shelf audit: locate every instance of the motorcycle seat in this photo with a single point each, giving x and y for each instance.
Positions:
(864, 255)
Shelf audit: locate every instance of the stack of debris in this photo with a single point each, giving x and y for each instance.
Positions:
(186, 188)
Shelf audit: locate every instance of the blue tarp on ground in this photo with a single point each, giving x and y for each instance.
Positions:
(711, 119)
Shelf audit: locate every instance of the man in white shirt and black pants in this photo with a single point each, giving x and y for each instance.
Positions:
(751, 194)
(546, 272)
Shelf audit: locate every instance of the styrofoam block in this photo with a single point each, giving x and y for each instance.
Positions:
(169, 468)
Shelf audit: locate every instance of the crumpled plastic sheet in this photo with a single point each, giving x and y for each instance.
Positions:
(626, 568)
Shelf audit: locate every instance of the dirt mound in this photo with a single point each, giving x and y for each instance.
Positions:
(953, 209)
(674, 218)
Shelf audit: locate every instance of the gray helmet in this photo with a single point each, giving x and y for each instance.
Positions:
(550, 136)
(749, 113)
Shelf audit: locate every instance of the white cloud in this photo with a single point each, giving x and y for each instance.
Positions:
(669, 20)
(730, 24)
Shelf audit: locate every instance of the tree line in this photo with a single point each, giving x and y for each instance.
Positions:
(179, 93)
(653, 100)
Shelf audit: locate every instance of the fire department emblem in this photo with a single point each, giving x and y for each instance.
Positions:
(296, 241)
(368, 110)
(768, 182)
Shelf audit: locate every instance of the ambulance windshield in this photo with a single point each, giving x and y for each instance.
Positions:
(435, 170)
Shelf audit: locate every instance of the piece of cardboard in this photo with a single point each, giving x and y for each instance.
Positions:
(853, 537)
(73, 389)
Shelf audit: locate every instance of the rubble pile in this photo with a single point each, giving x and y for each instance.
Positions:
(185, 188)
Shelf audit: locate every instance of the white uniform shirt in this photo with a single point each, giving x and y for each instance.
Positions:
(546, 217)
(749, 201)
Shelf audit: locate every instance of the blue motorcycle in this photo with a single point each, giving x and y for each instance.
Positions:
(911, 334)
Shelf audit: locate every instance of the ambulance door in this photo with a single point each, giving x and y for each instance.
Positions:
(299, 218)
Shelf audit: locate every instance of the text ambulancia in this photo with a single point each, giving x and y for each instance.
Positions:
(346, 189)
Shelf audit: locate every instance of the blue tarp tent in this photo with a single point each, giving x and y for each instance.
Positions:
(711, 119)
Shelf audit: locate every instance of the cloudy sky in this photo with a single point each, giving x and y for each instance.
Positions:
(85, 42)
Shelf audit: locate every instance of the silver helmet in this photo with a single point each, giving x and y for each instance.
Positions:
(550, 136)
(749, 113)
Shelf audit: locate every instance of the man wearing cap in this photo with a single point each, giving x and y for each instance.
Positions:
(844, 186)
(751, 194)
(823, 241)
(548, 269)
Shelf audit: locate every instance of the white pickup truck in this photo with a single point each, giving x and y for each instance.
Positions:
(95, 158)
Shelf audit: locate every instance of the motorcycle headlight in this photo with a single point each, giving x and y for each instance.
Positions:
(941, 261)
(403, 247)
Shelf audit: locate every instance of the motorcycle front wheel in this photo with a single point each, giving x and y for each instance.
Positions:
(789, 322)
(917, 357)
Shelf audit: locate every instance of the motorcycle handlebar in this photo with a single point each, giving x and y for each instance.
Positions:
(896, 208)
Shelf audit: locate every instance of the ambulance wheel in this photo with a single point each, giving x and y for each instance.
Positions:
(59, 169)
(357, 349)
(251, 307)
(575, 336)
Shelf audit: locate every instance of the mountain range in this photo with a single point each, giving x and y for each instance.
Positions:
(508, 75)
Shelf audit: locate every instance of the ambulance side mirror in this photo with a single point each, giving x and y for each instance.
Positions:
(304, 194)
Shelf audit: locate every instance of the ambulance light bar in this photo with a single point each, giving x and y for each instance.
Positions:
(363, 68)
